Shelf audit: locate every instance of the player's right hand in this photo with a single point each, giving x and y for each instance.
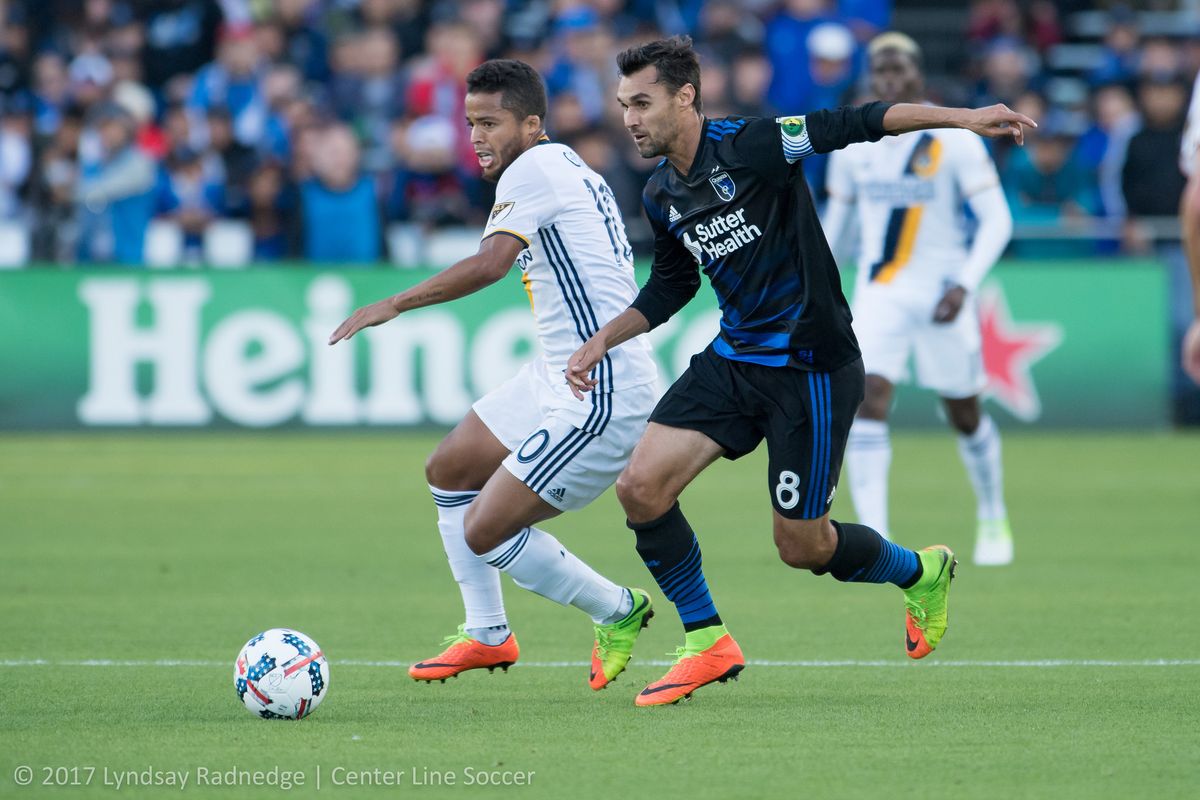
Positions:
(581, 364)
(1191, 351)
(999, 122)
(365, 317)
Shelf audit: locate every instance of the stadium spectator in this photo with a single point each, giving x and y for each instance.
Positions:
(749, 77)
(727, 31)
(1102, 147)
(180, 35)
(16, 156)
(271, 212)
(191, 196)
(1048, 188)
(115, 191)
(1119, 62)
(51, 92)
(91, 76)
(429, 188)
(53, 190)
(306, 46)
(232, 81)
(15, 50)
(371, 94)
(341, 222)
(1150, 180)
(787, 48)
(1008, 70)
(231, 162)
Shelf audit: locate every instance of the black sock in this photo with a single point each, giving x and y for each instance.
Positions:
(670, 551)
(862, 555)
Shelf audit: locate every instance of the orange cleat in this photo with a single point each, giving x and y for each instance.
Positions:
(464, 653)
(720, 662)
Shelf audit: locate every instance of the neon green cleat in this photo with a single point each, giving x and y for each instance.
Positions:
(614, 643)
(993, 543)
(925, 617)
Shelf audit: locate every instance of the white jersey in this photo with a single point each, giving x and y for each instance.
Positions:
(910, 190)
(1191, 133)
(577, 266)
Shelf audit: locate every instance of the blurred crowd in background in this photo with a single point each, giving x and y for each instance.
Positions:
(316, 126)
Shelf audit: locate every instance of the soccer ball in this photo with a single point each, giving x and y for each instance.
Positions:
(281, 674)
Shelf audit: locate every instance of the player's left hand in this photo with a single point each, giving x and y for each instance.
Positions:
(1191, 351)
(951, 303)
(365, 317)
(581, 364)
(998, 122)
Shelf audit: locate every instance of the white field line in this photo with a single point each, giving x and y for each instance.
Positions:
(1035, 664)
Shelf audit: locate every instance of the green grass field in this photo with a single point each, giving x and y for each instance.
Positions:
(165, 548)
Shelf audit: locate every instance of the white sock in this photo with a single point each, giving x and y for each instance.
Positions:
(981, 454)
(868, 459)
(478, 583)
(538, 562)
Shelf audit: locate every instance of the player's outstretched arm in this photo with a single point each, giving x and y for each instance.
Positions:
(995, 122)
(493, 261)
(623, 327)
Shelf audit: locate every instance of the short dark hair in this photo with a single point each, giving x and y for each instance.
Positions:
(674, 58)
(521, 89)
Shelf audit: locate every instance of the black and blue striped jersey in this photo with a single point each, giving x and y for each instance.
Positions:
(744, 215)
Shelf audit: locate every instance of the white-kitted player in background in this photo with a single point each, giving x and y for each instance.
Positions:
(1189, 215)
(916, 286)
(528, 450)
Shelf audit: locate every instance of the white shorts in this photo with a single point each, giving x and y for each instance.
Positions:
(891, 323)
(568, 451)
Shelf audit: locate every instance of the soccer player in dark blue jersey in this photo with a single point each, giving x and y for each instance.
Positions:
(729, 198)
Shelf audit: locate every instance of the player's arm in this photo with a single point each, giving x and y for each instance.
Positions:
(840, 185)
(995, 122)
(493, 261)
(1189, 217)
(977, 179)
(674, 280)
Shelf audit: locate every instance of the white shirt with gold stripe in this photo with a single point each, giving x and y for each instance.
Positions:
(910, 192)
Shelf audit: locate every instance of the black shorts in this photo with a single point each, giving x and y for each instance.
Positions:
(804, 416)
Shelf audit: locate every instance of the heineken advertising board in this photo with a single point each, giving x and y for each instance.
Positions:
(1065, 345)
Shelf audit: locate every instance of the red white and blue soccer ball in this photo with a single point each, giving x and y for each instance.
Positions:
(281, 674)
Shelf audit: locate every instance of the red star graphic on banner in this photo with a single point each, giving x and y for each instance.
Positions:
(1010, 349)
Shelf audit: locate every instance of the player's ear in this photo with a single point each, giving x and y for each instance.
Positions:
(532, 123)
(686, 96)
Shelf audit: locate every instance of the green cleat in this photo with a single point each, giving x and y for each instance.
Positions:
(925, 601)
(614, 643)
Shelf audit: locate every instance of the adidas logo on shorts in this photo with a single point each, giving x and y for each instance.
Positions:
(558, 494)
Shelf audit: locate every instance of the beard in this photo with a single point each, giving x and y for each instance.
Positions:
(653, 145)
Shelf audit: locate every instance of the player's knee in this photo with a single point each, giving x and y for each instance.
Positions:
(480, 538)
(807, 544)
(445, 472)
(641, 499)
(964, 418)
(798, 555)
(877, 398)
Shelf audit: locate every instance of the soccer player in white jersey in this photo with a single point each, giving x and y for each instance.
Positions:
(1189, 215)
(916, 285)
(528, 450)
